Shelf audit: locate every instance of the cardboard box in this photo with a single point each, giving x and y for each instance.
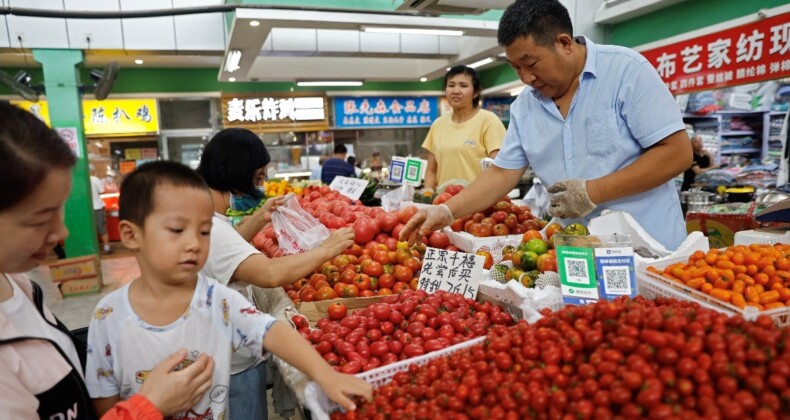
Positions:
(720, 227)
(75, 268)
(317, 310)
(77, 276)
(80, 287)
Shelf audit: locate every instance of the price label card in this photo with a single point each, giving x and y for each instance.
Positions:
(577, 275)
(350, 187)
(614, 268)
(414, 172)
(397, 167)
(454, 272)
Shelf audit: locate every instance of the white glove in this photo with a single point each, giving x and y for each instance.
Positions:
(569, 199)
(425, 221)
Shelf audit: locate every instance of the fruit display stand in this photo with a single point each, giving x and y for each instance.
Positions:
(320, 406)
(314, 311)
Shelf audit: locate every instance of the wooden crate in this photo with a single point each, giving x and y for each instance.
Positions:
(317, 310)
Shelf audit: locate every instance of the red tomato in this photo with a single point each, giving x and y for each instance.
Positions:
(364, 231)
(349, 290)
(413, 350)
(387, 221)
(386, 281)
(439, 240)
(362, 281)
(402, 274)
(337, 311)
(406, 214)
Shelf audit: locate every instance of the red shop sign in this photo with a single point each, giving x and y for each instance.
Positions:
(743, 54)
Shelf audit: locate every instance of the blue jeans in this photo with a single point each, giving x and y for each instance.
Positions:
(247, 399)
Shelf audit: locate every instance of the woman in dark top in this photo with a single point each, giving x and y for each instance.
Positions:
(703, 162)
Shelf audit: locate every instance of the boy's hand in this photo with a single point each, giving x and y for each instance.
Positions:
(173, 392)
(338, 241)
(339, 387)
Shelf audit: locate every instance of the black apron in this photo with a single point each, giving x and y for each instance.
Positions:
(69, 398)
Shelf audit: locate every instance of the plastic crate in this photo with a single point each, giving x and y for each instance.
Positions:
(652, 285)
(320, 406)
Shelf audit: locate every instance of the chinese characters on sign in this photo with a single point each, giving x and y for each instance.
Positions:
(253, 110)
(454, 272)
(109, 116)
(349, 187)
(744, 54)
(385, 111)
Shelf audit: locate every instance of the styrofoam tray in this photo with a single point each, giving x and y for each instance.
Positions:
(652, 285)
(320, 406)
(469, 243)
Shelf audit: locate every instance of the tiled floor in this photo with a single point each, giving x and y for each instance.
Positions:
(118, 269)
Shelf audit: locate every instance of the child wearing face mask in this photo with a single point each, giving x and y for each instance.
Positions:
(166, 215)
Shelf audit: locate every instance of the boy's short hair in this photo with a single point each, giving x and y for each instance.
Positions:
(138, 189)
(340, 148)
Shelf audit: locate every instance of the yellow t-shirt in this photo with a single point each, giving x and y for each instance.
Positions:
(459, 148)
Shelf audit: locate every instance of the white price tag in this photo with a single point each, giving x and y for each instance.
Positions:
(350, 187)
(454, 272)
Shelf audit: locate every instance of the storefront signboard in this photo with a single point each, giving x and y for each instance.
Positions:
(385, 112)
(109, 117)
(273, 113)
(743, 54)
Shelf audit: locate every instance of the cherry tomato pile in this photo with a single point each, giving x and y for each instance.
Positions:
(754, 275)
(609, 360)
(400, 327)
(504, 218)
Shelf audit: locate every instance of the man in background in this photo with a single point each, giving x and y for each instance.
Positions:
(337, 165)
(97, 186)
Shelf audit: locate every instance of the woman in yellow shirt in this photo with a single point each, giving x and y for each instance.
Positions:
(457, 142)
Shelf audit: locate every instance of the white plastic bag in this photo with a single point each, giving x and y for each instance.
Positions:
(297, 231)
(537, 198)
(391, 200)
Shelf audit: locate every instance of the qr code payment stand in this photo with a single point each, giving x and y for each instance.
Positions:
(592, 268)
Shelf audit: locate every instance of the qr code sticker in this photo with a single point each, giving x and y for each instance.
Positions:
(397, 172)
(412, 172)
(576, 271)
(616, 280)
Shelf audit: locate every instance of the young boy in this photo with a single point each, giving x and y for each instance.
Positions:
(166, 212)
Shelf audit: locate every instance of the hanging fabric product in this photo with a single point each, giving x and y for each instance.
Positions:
(297, 231)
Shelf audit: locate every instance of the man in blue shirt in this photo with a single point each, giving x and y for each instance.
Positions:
(337, 165)
(596, 123)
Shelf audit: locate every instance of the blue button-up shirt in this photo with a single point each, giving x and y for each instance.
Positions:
(620, 108)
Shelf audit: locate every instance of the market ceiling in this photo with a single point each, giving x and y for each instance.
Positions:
(261, 43)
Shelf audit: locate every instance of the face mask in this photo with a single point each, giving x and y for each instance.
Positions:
(245, 202)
